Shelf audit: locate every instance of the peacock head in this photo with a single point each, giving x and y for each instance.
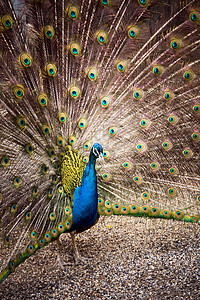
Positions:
(96, 151)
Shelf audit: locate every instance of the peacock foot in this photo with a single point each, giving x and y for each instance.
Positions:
(60, 263)
(80, 259)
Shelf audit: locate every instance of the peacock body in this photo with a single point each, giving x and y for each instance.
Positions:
(83, 79)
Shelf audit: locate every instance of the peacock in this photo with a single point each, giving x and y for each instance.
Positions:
(99, 115)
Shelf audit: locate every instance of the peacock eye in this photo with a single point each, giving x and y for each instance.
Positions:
(46, 129)
(25, 60)
(5, 161)
(145, 196)
(122, 66)
(102, 37)
(49, 32)
(145, 123)
(92, 74)
(113, 130)
(138, 94)
(18, 91)
(167, 145)
(133, 32)
(127, 165)
(105, 2)
(51, 152)
(158, 70)
(21, 122)
(187, 153)
(75, 49)
(171, 192)
(196, 136)
(194, 16)
(189, 75)
(74, 92)
(173, 171)
(106, 154)
(82, 123)
(72, 12)
(7, 21)
(168, 95)
(137, 180)
(52, 216)
(144, 3)
(106, 177)
(62, 117)
(13, 209)
(155, 166)
(141, 147)
(196, 108)
(72, 139)
(29, 148)
(176, 44)
(105, 102)
(51, 70)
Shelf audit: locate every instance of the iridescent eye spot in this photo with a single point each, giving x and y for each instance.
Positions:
(176, 44)
(194, 16)
(104, 2)
(187, 153)
(196, 108)
(92, 74)
(133, 32)
(122, 66)
(196, 136)
(7, 21)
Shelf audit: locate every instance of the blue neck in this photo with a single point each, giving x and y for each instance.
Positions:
(85, 200)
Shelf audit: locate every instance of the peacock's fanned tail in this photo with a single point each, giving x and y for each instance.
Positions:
(122, 73)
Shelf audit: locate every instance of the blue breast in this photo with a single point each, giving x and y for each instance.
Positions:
(85, 200)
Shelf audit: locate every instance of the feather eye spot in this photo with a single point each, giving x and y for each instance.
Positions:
(158, 70)
(105, 2)
(72, 12)
(18, 91)
(72, 140)
(92, 74)
(13, 209)
(122, 66)
(138, 180)
(75, 49)
(167, 145)
(113, 131)
(141, 147)
(145, 196)
(46, 129)
(7, 21)
(187, 153)
(62, 117)
(102, 37)
(49, 32)
(17, 181)
(42, 99)
(106, 154)
(194, 16)
(171, 192)
(106, 177)
(51, 70)
(25, 60)
(155, 166)
(189, 75)
(133, 32)
(196, 108)
(21, 122)
(74, 92)
(82, 123)
(144, 3)
(173, 171)
(196, 136)
(138, 94)
(168, 95)
(5, 161)
(176, 44)
(52, 216)
(105, 102)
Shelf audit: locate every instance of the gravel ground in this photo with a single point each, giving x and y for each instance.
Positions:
(131, 258)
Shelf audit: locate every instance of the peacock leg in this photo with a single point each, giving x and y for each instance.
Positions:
(59, 261)
(77, 257)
